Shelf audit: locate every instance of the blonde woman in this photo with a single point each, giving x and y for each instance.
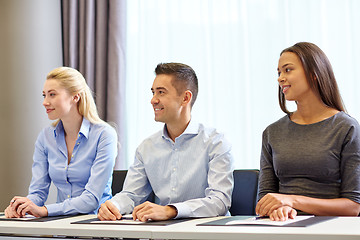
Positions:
(77, 153)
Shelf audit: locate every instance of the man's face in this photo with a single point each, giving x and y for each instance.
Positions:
(166, 102)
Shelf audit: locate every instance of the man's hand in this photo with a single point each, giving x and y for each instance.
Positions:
(148, 210)
(271, 202)
(108, 211)
(283, 214)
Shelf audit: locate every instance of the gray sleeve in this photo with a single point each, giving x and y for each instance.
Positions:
(350, 165)
(268, 182)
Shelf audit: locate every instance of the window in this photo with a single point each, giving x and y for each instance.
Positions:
(234, 47)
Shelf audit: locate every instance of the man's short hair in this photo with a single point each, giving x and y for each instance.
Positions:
(184, 77)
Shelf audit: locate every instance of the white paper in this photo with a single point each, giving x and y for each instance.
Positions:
(25, 218)
(118, 221)
(266, 221)
(127, 218)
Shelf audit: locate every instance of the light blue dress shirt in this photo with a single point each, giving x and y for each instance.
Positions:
(194, 173)
(83, 184)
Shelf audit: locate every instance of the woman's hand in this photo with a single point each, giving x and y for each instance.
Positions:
(283, 214)
(19, 206)
(271, 202)
(31, 208)
(11, 210)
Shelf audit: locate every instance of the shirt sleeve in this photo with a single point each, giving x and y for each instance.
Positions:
(40, 182)
(136, 187)
(217, 200)
(350, 165)
(268, 181)
(101, 171)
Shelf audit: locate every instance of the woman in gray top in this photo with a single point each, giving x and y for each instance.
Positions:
(310, 159)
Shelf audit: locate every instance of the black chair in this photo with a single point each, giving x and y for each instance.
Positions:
(245, 192)
(118, 183)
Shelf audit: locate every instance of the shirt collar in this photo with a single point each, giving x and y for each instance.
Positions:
(58, 129)
(191, 129)
(84, 129)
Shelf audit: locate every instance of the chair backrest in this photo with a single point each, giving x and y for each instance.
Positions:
(245, 192)
(118, 183)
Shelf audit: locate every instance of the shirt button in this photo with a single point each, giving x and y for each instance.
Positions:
(72, 155)
(78, 143)
(68, 196)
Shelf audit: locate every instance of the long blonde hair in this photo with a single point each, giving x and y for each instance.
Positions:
(74, 82)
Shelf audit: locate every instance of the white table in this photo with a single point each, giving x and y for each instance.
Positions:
(63, 227)
(334, 229)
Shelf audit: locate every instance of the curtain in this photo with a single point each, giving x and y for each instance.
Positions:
(234, 47)
(94, 43)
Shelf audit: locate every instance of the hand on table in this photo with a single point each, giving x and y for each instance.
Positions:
(108, 211)
(148, 210)
(19, 206)
(283, 214)
(271, 202)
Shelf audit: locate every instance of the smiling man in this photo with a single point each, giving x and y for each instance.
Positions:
(187, 166)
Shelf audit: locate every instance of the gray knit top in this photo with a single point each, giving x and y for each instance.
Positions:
(320, 160)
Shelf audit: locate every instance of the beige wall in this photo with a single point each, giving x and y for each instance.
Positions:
(30, 46)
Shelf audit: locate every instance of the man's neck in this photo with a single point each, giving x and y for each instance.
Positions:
(175, 130)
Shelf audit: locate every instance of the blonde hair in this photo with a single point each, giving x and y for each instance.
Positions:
(74, 82)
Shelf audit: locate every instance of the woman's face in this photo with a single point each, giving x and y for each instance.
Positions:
(292, 79)
(57, 101)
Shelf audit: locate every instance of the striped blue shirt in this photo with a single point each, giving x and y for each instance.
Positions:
(83, 184)
(194, 173)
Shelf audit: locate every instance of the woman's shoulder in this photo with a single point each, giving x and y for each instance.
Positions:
(343, 122)
(279, 124)
(345, 118)
(48, 130)
(103, 129)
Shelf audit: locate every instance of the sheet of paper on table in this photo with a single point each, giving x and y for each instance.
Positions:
(25, 218)
(266, 221)
(125, 219)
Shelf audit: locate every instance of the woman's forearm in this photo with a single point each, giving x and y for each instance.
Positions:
(326, 207)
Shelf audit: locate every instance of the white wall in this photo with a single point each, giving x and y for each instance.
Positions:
(30, 46)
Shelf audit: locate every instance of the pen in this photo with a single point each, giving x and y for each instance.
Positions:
(261, 217)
